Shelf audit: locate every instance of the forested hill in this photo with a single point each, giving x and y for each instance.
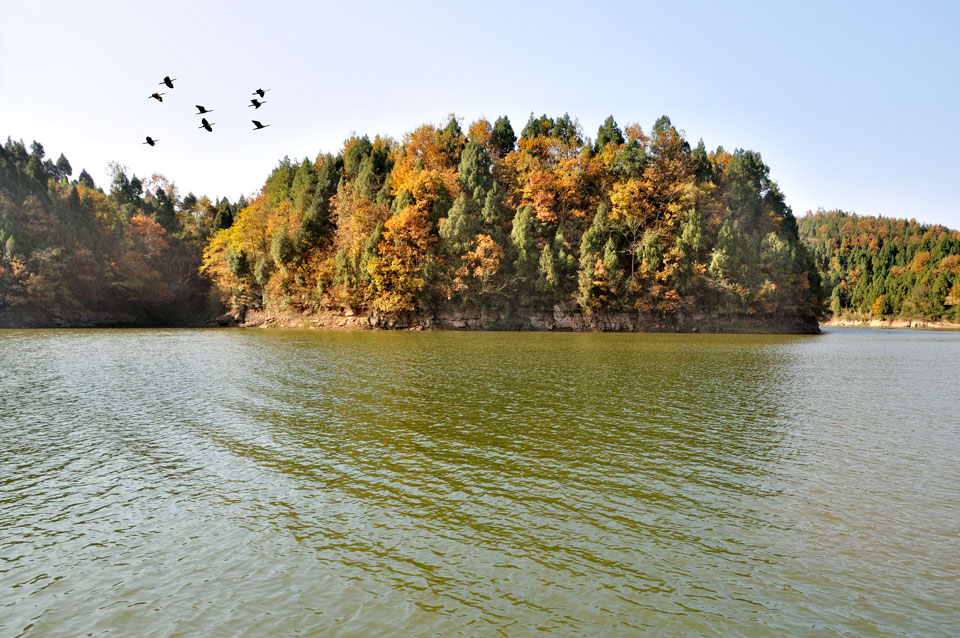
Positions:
(880, 267)
(628, 222)
(72, 255)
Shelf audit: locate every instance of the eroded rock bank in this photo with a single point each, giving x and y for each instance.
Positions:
(558, 319)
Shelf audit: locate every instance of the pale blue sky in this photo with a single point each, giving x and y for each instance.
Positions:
(852, 105)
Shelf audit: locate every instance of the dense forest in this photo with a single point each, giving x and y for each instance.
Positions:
(882, 268)
(72, 255)
(625, 222)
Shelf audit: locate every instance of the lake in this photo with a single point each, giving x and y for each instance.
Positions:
(281, 483)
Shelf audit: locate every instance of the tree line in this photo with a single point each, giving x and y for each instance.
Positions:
(482, 218)
(68, 246)
(880, 267)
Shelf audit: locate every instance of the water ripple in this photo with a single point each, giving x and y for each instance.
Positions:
(248, 483)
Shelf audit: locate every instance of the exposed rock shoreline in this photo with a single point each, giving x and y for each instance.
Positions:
(559, 319)
(923, 324)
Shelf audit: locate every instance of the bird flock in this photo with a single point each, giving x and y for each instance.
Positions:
(202, 110)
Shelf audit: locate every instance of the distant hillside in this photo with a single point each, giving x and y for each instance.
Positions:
(879, 267)
(72, 255)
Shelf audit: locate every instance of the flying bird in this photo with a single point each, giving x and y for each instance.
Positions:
(256, 103)
(260, 92)
(259, 125)
(207, 125)
(201, 110)
(151, 141)
(168, 81)
(156, 96)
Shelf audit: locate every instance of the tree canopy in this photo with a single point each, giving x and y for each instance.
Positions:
(625, 222)
(879, 267)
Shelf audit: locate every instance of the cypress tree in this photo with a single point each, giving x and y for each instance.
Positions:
(522, 239)
(459, 228)
(474, 171)
(85, 179)
(608, 132)
(503, 138)
(548, 279)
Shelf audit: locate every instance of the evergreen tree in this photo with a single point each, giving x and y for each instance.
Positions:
(503, 138)
(357, 149)
(521, 237)
(283, 249)
(688, 246)
(548, 279)
(403, 199)
(493, 210)
(277, 188)
(452, 140)
(384, 198)
(237, 263)
(566, 130)
(594, 239)
(263, 270)
(631, 159)
(608, 132)
(163, 211)
(189, 201)
(702, 168)
(224, 216)
(650, 253)
(459, 228)
(370, 250)
(85, 179)
(303, 188)
(474, 171)
(537, 127)
(63, 168)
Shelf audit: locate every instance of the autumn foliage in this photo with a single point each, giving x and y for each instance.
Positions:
(628, 222)
(69, 249)
(880, 268)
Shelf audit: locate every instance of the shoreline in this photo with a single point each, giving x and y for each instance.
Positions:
(557, 320)
(899, 323)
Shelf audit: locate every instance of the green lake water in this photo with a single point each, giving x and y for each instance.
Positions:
(304, 483)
